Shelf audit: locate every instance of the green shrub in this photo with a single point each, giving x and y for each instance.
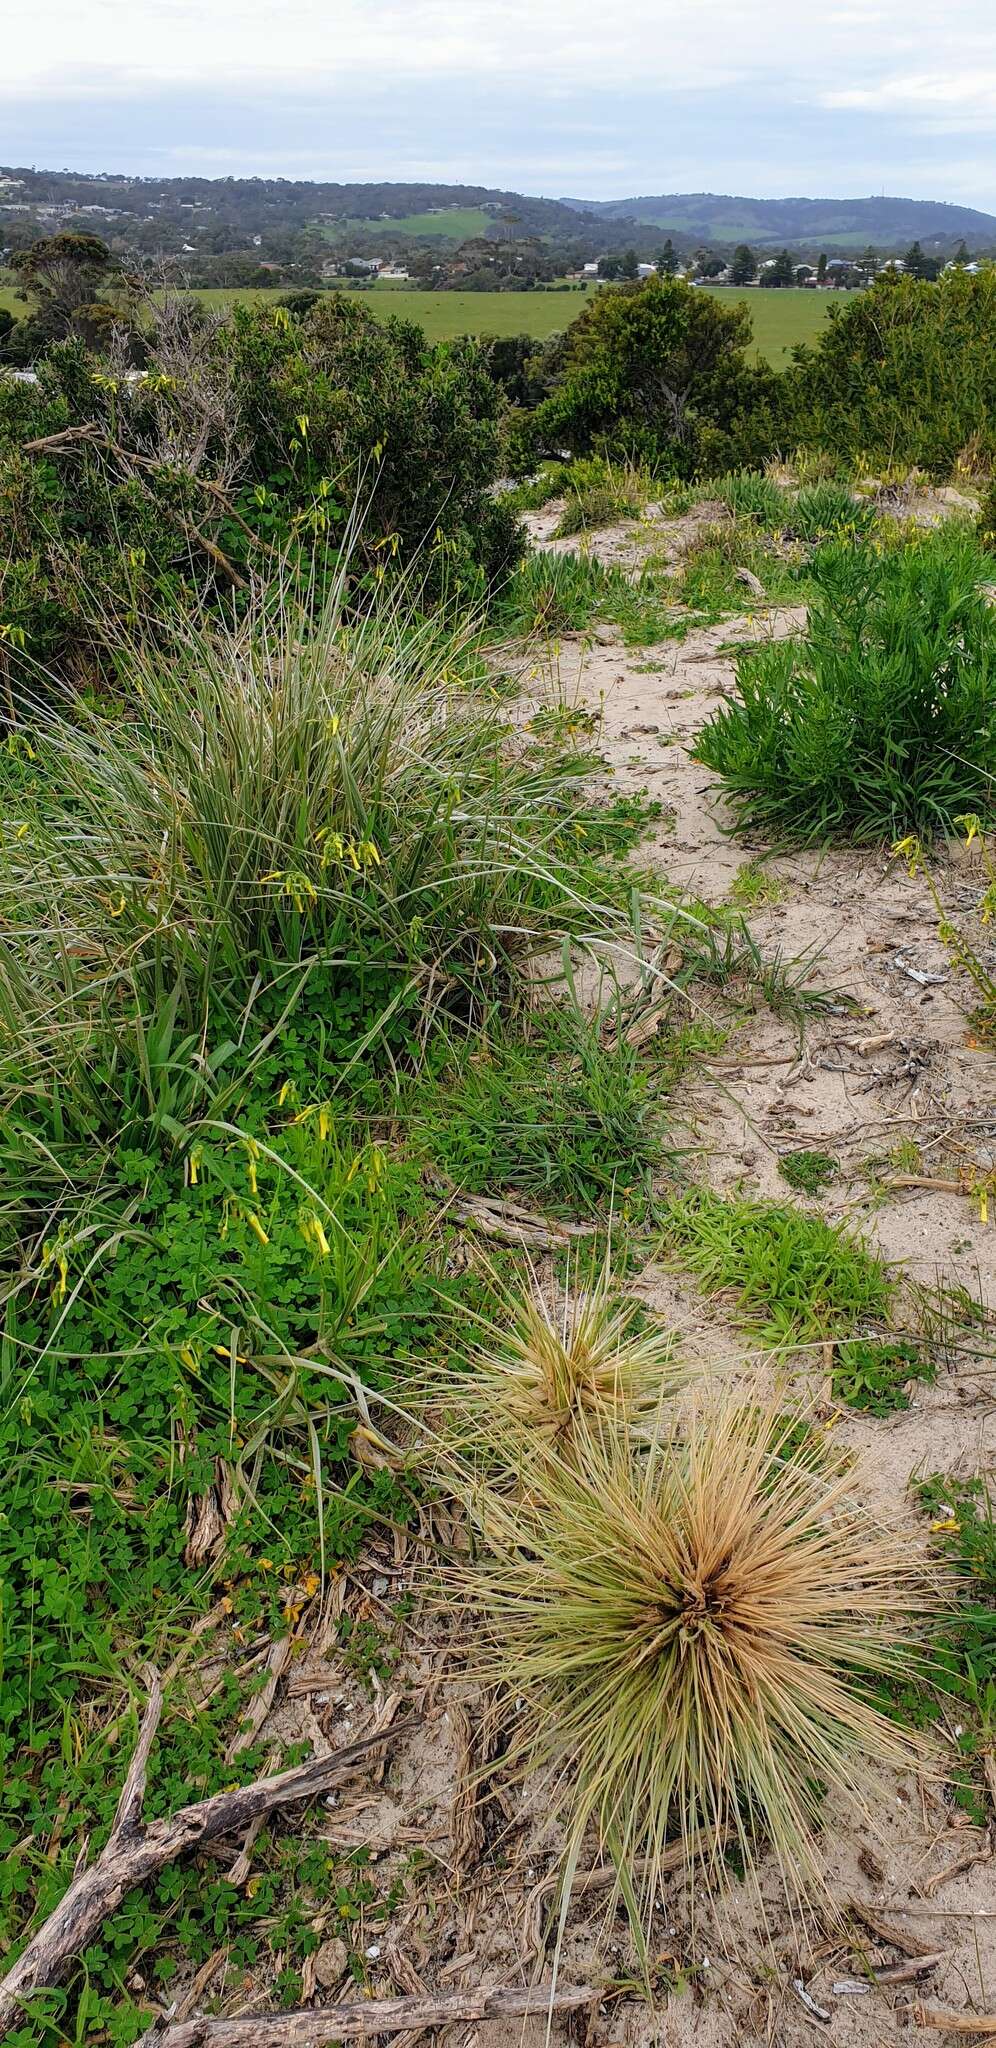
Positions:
(752, 496)
(559, 593)
(828, 508)
(882, 720)
(599, 492)
(304, 420)
(902, 373)
(659, 372)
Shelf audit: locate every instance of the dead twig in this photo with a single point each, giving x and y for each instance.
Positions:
(364, 2017)
(133, 1853)
(954, 2022)
(896, 1937)
(513, 1224)
(967, 1861)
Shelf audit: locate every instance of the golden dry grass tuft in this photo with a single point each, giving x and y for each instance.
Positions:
(692, 1627)
(590, 1359)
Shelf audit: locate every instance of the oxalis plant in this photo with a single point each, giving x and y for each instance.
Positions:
(691, 1621)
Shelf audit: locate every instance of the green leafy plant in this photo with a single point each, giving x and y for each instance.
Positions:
(788, 1271)
(810, 1173)
(752, 495)
(828, 508)
(881, 720)
(875, 1375)
(754, 885)
(598, 492)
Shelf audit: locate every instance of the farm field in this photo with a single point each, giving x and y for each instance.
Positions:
(455, 223)
(780, 318)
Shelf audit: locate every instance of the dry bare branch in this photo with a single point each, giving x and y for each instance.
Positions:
(133, 1853)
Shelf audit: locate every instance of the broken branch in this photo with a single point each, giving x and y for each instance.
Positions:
(133, 1854)
(365, 2017)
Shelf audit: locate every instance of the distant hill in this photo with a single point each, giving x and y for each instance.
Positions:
(155, 214)
(836, 223)
(256, 203)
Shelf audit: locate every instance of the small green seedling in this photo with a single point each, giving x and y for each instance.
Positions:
(810, 1173)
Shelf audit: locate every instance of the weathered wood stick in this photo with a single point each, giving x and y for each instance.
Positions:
(954, 2022)
(133, 1853)
(366, 2016)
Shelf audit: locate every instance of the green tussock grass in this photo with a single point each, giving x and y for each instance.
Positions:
(790, 1274)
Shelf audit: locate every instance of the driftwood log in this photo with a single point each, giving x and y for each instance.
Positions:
(134, 1853)
(370, 2016)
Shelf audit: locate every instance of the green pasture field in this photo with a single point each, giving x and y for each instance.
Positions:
(780, 318)
(447, 314)
(455, 223)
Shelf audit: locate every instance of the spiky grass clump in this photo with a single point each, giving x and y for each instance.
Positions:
(552, 1371)
(693, 1628)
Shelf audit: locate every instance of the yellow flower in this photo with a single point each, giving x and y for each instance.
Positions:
(313, 1233)
(256, 1227)
(54, 1255)
(193, 1165)
(909, 850)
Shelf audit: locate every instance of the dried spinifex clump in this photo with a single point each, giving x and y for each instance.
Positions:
(595, 1360)
(692, 1625)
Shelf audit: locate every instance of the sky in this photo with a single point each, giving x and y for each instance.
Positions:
(559, 97)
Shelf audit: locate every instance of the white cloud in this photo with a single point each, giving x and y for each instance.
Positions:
(77, 47)
(574, 95)
(936, 95)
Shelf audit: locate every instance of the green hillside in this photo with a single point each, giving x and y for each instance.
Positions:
(839, 223)
(452, 223)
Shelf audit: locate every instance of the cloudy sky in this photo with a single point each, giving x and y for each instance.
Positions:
(596, 98)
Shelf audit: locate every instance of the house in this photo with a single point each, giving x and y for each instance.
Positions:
(394, 275)
(590, 270)
(644, 269)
